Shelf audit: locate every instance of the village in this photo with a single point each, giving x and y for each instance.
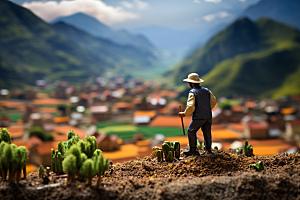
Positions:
(130, 116)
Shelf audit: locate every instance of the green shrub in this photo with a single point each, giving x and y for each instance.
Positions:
(200, 145)
(12, 160)
(100, 166)
(257, 166)
(5, 136)
(90, 145)
(176, 145)
(159, 155)
(56, 161)
(61, 148)
(87, 170)
(69, 165)
(71, 134)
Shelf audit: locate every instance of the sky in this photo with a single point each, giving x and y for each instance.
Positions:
(131, 14)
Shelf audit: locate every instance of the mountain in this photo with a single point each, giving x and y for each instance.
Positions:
(96, 28)
(31, 49)
(121, 53)
(247, 58)
(286, 11)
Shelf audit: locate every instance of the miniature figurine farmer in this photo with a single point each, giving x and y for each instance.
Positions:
(200, 103)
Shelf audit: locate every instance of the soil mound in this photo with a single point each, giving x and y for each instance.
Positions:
(221, 175)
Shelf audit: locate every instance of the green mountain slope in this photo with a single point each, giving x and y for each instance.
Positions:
(259, 62)
(127, 57)
(31, 49)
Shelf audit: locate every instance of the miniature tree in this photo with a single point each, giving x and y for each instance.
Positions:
(56, 161)
(61, 148)
(19, 160)
(101, 165)
(69, 164)
(87, 170)
(75, 150)
(74, 140)
(5, 136)
(257, 166)
(83, 157)
(91, 145)
(96, 153)
(71, 134)
(7, 160)
(2, 144)
(248, 149)
(41, 171)
(82, 145)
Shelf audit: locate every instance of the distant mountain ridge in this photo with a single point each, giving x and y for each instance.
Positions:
(31, 49)
(247, 58)
(96, 28)
(286, 11)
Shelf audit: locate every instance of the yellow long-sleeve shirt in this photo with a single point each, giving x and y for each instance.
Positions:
(190, 105)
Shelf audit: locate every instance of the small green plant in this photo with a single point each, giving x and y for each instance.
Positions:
(90, 145)
(216, 148)
(154, 151)
(176, 146)
(75, 150)
(168, 147)
(87, 170)
(257, 166)
(56, 161)
(101, 165)
(248, 150)
(159, 155)
(41, 171)
(69, 164)
(239, 150)
(170, 156)
(200, 145)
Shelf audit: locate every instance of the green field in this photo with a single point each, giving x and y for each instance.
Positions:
(127, 131)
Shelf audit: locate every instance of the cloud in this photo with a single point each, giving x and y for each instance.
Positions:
(212, 17)
(197, 1)
(213, 1)
(50, 10)
(137, 4)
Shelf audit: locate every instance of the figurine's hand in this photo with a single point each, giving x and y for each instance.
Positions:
(181, 114)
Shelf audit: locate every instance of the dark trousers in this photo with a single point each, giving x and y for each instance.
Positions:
(195, 125)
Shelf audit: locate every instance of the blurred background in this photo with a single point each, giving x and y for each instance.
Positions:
(113, 69)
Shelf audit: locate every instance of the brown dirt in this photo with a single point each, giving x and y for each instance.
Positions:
(223, 175)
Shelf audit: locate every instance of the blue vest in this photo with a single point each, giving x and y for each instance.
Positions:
(202, 103)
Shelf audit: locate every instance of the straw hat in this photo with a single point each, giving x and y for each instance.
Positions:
(193, 78)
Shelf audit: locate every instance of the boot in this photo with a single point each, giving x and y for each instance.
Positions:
(208, 150)
(192, 151)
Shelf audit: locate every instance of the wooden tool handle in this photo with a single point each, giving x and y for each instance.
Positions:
(182, 121)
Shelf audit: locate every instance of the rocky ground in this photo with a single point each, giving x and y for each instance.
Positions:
(222, 175)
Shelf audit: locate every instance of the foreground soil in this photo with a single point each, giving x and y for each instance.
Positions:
(221, 175)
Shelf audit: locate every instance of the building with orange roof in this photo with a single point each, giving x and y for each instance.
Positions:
(16, 131)
(170, 121)
(250, 104)
(288, 111)
(48, 110)
(60, 133)
(123, 107)
(239, 127)
(237, 108)
(41, 154)
(21, 142)
(168, 94)
(256, 130)
(143, 117)
(127, 152)
(269, 147)
(49, 101)
(59, 120)
(220, 135)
